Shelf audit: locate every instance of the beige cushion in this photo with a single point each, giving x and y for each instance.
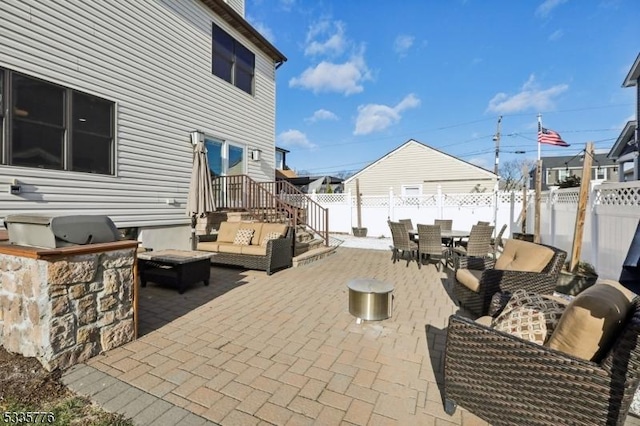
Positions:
(243, 236)
(257, 230)
(523, 256)
(230, 248)
(209, 246)
(254, 250)
(270, 236)
(470, 278)
(485, 320)
(227, 231)
(529, 316)
(592, 320)
(272, 227)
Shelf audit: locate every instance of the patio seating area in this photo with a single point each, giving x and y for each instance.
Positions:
(284, 349)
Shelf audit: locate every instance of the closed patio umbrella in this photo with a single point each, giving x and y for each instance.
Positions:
(200, 201)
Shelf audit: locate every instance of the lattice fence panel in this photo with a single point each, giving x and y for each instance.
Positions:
(420, 201)
(371, 201)
(465, 200)
(567, 196)
(332, 198)
(618, 196)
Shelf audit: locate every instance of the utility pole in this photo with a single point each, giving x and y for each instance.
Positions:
(496, 139)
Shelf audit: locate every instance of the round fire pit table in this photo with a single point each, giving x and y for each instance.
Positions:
(370, 299)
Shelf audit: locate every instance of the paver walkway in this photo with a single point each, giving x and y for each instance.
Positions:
(283, 349)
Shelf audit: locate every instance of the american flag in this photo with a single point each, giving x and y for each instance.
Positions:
(550, 137)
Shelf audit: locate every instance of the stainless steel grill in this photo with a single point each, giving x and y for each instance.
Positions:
(60, 231)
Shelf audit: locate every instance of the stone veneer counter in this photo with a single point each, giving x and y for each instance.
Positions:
(68, 304)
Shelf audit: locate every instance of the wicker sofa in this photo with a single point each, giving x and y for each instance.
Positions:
(522, 264)
(585, 371)
(269, 247)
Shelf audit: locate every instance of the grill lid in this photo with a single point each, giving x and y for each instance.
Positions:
(28, 229)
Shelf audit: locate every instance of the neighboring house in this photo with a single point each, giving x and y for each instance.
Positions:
(557, 169)
(99, 101)
(625, 150)
(416, 169)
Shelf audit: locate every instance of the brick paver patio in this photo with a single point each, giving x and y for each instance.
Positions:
(283, 349)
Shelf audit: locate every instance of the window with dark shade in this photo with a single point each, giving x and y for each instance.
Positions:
(232, 61)
(54, 127)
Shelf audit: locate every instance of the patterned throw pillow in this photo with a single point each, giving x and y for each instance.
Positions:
(243, 237)
(524, 322)
(528, 314)
(270, 236)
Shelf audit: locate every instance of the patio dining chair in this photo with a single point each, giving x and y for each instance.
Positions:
(402, 245)
(445, 224)
(480, 222)
(478, 245)
(430, 244)
(497, 242)
(408, 224)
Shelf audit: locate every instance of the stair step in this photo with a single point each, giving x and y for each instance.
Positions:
(303, 247)
(313, 256)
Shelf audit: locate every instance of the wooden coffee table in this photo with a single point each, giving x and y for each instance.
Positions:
(178, 268)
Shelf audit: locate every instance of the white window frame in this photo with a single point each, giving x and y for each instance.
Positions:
(404, 189)
(224, 152)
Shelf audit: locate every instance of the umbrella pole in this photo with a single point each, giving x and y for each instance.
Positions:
(194, 243)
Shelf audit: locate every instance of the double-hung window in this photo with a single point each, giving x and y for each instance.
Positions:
(232, 61)
(52, 127)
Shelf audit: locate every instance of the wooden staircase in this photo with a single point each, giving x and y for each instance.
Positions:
(241, 198)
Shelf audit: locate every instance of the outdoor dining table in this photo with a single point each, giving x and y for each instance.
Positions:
(446, 235)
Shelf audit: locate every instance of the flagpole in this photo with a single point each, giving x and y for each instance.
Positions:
(539, 130)
(538, 192)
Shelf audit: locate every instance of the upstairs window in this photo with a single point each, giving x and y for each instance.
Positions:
(232, 61)
(54, 127)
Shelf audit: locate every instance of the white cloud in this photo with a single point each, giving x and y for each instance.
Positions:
(480, 162)
(294, 138)
(530, 98)
(402, 44)
(321, 115)
(287, 4)
(547, 6)
(556, 35)
(346, 78)
(326, 38)
(374, 117)
(263, 29)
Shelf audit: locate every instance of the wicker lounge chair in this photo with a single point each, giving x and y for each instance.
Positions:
(507, 380)
(522, 265)
(402, 246)
(498, 243)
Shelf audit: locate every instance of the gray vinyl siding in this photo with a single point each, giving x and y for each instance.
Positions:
(153, 59)
(237, 5)
(415, 163)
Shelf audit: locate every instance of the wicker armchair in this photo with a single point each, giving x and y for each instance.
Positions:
(506, 380)
(402, 245)
(477, 279)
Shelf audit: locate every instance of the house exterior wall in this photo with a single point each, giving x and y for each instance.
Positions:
(417, 164)
(153, 60)
(237, 5)
(556, 175)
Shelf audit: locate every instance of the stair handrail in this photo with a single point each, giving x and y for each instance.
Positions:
(315, 216)
(251, 197)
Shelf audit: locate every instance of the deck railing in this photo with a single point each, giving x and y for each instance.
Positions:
(315, 217)
(271, 201)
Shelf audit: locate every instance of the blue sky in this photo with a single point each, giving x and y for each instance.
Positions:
(363, 77)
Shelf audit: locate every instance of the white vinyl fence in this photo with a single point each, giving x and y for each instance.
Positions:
(611, 218)
(612, 214)
(465, 210)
